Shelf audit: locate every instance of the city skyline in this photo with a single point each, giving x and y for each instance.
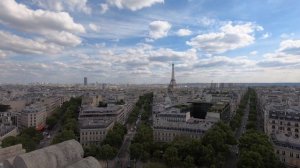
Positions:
(131, 41)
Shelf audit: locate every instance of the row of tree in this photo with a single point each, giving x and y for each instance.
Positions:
(69, 112)
(141, 145)
(236, 121)
(143, 107)
(255, 148)
(29, 138)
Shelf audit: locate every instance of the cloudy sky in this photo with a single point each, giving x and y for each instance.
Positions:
(136, 41)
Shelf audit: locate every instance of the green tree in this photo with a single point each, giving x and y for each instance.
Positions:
(189, 162)
(51, 121)
(250, 159)
(28, 142)
(70, 124)
(63, 136)
(171, 156)
(91, 150)
(31, 132)
(9, 141)
(107, 152)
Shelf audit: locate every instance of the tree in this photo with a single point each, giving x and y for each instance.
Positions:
(91, 150)
(28, 142)
(107, 152)
(31, 132)
(171, 156)
(9, 141)
(189, 162)
(63, 136)
(136, 150)
(70, 124)
(51, 122)
(250, 159)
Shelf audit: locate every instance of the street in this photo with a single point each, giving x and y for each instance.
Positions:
(232, 159)
(47, 141)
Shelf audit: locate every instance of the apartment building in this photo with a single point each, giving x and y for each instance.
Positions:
(33, 115)
(93, 132)
(281, 111)
(172, 123)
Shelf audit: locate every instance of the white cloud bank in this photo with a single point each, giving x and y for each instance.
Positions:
(55, 30)
(133, 5)
(229, 37)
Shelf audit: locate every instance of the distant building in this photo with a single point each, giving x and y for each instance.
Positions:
(85, 82)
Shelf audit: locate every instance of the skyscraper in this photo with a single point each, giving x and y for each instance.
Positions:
(172, 84)
(85, 81)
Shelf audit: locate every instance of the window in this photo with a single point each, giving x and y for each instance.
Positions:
(273, 121)
(283, 152)
(280, 122)
(289, 124)
(296, 130)
(273, 126)
(296, 125)
(291, 154)
(297, 156)
(288, 129)
(277, 151)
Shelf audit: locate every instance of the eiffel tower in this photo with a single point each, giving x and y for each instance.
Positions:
(172, 84)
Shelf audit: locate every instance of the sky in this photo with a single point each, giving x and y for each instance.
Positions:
(136, 41)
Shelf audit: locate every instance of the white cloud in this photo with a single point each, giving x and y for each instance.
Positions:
(253, 53)
(54, 26)
(223, 61)
(63, 38)
(2, 54)
(205, 21)
(94, 27)
(287, 35)
(266, 35)
(103, 8)
(159, 29)
(184, 32)
(55, 5)
(290, 46)
(168, 55)
(21, 17)
(133, 4)
(287, 56)
(62, 5)
(16, 44)
(229, 37)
